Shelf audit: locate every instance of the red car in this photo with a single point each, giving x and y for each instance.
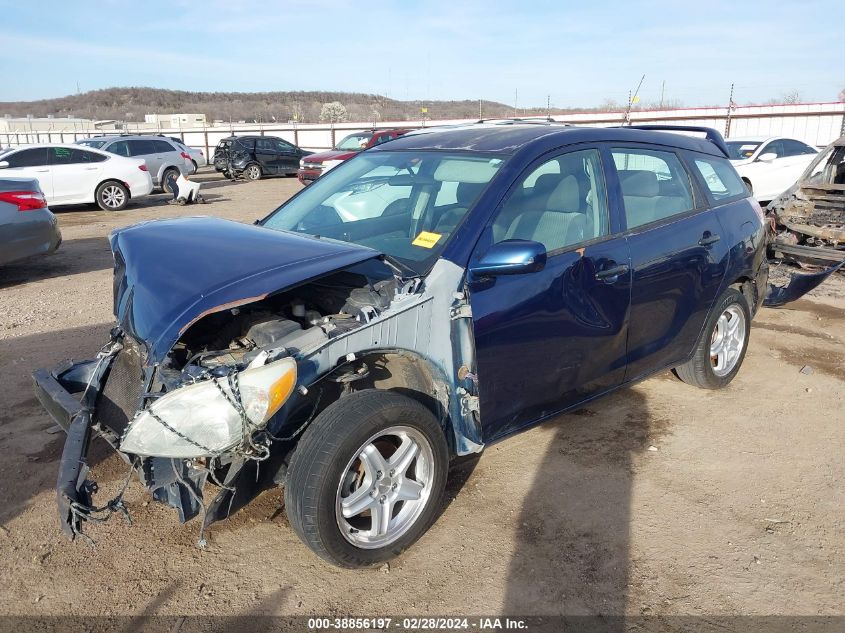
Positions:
(312, 167)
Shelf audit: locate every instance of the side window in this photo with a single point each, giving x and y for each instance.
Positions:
(383, 138)
(775, 147)
(121, 148)
(560, 203)
(247, 144)
(64, 156)
(35, 157)
(720, 177)
(655, 185)
(283, 146)
(264, 145)
(796, 148)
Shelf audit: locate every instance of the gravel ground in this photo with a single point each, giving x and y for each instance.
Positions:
(660, 499)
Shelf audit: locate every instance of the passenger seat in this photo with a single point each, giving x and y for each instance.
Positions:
(561, 223)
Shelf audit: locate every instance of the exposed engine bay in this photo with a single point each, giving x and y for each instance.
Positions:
(291, 323)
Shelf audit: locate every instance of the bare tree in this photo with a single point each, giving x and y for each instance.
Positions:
(792, 97)
(842, 95)
(333, 112)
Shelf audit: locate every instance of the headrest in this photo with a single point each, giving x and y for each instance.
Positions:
(566, 196)
(545, 183)
(467, 192)
(639, 182)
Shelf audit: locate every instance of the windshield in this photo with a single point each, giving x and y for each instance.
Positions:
(92, 143)
(355, 142)
(740, 150)
(403, 204)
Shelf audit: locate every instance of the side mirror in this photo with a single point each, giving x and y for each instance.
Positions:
(768, 157)
(511, 257)
(4, 164)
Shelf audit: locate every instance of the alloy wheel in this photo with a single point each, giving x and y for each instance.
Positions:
(385, 487)
(727, 341)
(113, 197)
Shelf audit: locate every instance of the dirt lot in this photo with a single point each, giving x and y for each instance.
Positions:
(660, 499)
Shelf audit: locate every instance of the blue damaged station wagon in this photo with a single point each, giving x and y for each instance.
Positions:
(427, 298)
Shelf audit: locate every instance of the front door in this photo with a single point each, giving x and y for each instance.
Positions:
(679, 257)
(30, 163)
(547, 340)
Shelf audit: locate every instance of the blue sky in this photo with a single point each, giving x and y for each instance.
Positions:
(579, 53)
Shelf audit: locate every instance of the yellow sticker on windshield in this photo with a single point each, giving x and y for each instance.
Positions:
(426, 239)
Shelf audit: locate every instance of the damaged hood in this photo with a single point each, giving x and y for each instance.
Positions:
(170, 273)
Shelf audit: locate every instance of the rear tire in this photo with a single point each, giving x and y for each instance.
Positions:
(724, 341)
(112, 196)
(253, 172)
(367, 478)
(165, 178)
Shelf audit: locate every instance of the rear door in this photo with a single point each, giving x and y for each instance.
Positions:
(30, 163)
(76, 174)
(679, 256)
(146, 150)
(550, 339)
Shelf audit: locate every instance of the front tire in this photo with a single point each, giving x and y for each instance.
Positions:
(721, 350)
(112, 196)
(367, 478)
(253, 172)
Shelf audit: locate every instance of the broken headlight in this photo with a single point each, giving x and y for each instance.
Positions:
(212, 416)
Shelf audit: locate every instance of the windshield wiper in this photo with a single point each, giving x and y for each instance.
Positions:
(398, 266)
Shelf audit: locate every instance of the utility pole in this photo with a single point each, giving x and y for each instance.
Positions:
(480, 116)
(549, 107)
(662, 92)
(632, 98)
(515, 101)
(730, 110)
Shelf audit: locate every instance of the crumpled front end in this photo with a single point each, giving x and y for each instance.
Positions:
(174, 440)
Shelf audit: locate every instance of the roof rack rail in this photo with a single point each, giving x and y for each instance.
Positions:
(538, 120)
(710, 133)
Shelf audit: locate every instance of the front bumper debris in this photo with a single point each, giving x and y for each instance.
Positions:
(53, 390)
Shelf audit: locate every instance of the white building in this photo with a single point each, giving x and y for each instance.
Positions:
(175, 121)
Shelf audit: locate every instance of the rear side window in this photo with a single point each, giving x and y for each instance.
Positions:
(720, 178)
(73, 156)
(162, 146)
(796, 148)
(655, 185)
(27, 158)
(247, 143)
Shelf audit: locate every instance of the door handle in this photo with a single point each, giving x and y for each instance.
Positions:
(708, 239)
(91, 168)
(610, 274)
(42, 171)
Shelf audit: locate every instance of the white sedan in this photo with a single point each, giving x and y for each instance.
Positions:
(71, 174)
(770, 165)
